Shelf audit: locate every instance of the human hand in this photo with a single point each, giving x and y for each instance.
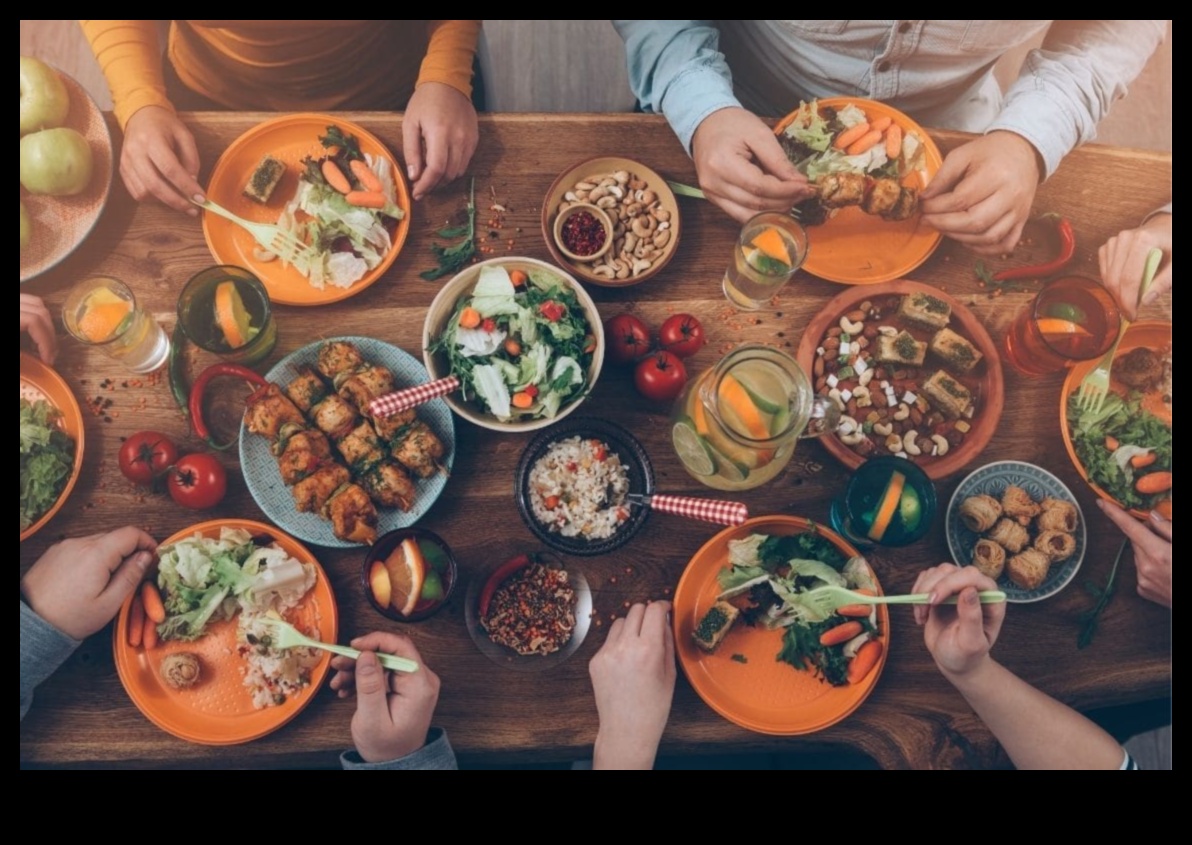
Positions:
(78, 585)
(439, 135)
(393, 709)
(633, 677)
(982, 194)
(37, 322)
(1152, 551)
(1123, 258)
(159, 159)
(958, 636)
(742, 167)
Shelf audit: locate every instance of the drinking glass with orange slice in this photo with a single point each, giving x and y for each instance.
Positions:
(735, 426)
(1071, 319)
(102, 312)
(226, 310)
(889, 501)
(770, 248)
(409, 574)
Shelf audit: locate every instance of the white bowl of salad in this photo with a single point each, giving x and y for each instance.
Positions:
(522, 336)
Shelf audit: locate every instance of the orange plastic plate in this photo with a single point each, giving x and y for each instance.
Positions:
(38, 381)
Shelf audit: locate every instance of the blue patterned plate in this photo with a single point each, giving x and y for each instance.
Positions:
(263, 479)
(993, 479)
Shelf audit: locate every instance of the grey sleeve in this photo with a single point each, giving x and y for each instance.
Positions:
(435, 756)
(43, 649)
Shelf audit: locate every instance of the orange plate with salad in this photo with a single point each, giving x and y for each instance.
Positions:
(289, 140)
(744, 678)
(219, 707)
(1130, 440)
(40, 383)
(854, 247)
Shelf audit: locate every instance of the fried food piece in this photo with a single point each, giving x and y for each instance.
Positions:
(882, 196)
(391, 428)
(1018, 505)
(926, 310)
(902, 349)
(419, 451)
(264, 179)
(1056, 545)
(1028, 569)
(980, 513)
(955, 351)
(1057, 515)
(361, 447)
(1010, 535)
(181, 670)
(840, 189)
(906, 207)
(362, 386)
(989, 558)
(715, 625)
(307, 390)
(948, 395)
(389, 486)
(268, 409)
(334, 416)
(312, 492)
(338, 356)
(1140, 369)
(352, 514)
(300, 452)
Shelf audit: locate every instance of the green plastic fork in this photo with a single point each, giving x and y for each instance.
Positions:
(285, 245)
(286, 635)
(828, 599)
(1095, 386)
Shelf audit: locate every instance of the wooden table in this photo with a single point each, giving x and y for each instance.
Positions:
(913, 719)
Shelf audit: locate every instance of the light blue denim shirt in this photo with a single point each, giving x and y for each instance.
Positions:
(940, 72)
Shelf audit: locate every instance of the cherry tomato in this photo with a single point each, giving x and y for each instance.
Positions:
(682, 334)
(198, 482)
(660, 376)
(627, 339)
(552, 311)
(146, 455)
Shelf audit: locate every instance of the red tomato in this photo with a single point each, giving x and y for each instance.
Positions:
(146, 455)
(552, 311)
(682, 334)
(660, 376)
(627, 338)
(198, 482)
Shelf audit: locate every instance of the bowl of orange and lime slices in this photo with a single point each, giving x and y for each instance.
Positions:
(226, 310)
(409, 574)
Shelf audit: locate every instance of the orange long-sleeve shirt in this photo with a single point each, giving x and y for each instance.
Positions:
(284, 65)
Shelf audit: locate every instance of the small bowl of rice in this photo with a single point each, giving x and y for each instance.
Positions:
(573, 484)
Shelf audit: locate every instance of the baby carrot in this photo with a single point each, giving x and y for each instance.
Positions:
(151, 598)
(551, 502)
(867, 142)
(894, 141)
(522, 400)
(150, 636)
(1156, 482)
(365, 199)
(519, 278)
(512, 347)
(363, 172)
(1164, 509)
(857, 610)
(881, 124)
(469, 318)
(864, 662)
(1111, 443)
(848, 136)
(136, 622)
(840, 634)
(335, 177)
(1144, 460)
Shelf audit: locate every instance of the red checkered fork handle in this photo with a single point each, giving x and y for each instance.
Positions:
(411, 397)
(705, 510)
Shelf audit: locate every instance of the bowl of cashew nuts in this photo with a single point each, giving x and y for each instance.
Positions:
(639, 204)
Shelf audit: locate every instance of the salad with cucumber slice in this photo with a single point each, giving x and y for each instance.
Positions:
(520, 344)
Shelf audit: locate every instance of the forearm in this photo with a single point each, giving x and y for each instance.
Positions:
(436, 756)
(43, 649)
(130, 58)
(450, 53)
(676, 69)
(1037, 731)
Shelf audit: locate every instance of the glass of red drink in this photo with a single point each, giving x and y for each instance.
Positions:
(1071, 319)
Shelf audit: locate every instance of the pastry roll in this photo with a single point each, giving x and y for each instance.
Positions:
(980, 513)
(1058, 515)
(1010, 535)
(989, 558)
(1029, 569)
(1057, 545)
(1018, 504)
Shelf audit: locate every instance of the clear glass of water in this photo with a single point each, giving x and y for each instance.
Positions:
(771, 247)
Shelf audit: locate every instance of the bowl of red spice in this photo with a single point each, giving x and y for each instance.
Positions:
(583, 232)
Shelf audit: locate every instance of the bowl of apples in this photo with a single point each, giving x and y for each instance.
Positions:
(409, 574)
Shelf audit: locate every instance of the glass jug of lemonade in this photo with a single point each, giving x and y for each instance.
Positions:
(736, 424)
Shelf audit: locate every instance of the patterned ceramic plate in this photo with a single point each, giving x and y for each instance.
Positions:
(260, 466)
(993, 479)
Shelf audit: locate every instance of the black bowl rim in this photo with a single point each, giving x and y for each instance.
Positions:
(386, 541)
(598, 428)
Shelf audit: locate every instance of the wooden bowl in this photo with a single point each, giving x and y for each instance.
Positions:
(600, 216)
(566, 182)
(444, 306)
(993, 387)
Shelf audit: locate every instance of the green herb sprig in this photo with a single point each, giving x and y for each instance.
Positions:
(1103, 595)
(454, 258)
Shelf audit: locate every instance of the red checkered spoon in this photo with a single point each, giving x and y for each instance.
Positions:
(705, 510)
(411, 397)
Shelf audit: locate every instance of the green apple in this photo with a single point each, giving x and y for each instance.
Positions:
(26, 228)
(55, 162)
(44, 101)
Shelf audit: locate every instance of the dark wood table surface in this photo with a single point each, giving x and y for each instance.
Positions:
(82, 715)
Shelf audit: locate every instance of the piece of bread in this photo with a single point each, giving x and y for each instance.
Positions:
(1018, 505)
(1028, 569)
(901, 348)
(1056, 545)
(1058, 515)
(1010, 535)
(948, 395)
(715, 625)
(989, 558)
(980, 513)
(926, 310)
(264, 179)
(956, 352)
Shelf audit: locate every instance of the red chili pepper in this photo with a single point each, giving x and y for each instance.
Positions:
(504, 571)
(1067, 249)
(199, 388)
(552, 311)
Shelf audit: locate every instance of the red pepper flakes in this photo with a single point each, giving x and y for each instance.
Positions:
(612, 580)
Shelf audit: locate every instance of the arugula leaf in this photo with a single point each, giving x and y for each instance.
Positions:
(454, 258)
(347, 144)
